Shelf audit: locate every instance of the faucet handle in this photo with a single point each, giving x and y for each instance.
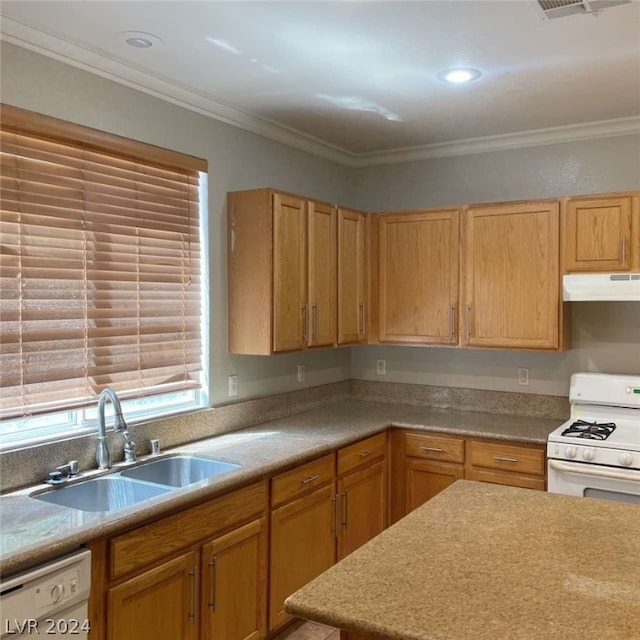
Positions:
(129, 448)
(71, 468)
(62, 473)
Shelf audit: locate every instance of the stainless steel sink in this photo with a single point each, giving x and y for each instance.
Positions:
(107, 493)
(179, 471)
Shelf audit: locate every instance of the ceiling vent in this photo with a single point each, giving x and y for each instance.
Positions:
(560, 8)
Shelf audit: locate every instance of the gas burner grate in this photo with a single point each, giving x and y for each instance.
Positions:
(590, 430)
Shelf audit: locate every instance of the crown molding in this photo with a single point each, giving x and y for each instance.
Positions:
(505, 142)
(107, 66)
(118, 70)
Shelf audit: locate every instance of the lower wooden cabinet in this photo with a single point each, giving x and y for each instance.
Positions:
(213, 593)
(221, 570)
(425, 463)
(233, 584)
(425, 479)
(159, 603)
(362, 493)
(313, 526)
(199, 574)
(302, 547)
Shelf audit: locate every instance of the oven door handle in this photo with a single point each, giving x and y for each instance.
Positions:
(589, 470)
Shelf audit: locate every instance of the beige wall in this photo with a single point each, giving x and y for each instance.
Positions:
(606, 336)
(237, 160)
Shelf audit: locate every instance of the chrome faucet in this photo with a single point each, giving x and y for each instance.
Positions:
(103, 457)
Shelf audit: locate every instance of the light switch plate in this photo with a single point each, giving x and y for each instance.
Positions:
(302, 373)
(233, 385)
(381, 367)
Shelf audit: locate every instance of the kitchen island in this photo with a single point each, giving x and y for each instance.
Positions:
(488, 562)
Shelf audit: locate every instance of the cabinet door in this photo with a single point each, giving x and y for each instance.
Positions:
(418, 277)
(362, 507)
(426, 479)
(159, 603)
(290, 313)
(512, 279)
(597, 234)
(234, 585)
(302, 547)
(352, 277)
(322, 245)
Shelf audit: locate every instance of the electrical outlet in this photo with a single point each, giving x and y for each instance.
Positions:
(302, 373)
(523, 376)
(381, 367)
(233, 385)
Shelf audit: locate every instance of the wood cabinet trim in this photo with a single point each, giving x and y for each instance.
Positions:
(156, 540)
(303, 479)
(119, 626)
(361, 453)
(506, 457)
(547, 314)
(426, 280)
(625, 252)
(432, 446)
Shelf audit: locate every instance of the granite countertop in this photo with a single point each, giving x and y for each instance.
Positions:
(489, 562)
(33, 531)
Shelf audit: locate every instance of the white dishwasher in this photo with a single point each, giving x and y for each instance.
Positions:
(50, 600)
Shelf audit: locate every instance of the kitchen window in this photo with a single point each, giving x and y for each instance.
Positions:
(101, 281)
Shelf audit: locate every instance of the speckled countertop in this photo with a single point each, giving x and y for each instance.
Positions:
(488, 562)
(33, 531)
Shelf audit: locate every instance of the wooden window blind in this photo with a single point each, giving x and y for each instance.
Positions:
(100, 277)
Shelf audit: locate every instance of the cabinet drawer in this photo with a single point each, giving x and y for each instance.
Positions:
(496, 455)
(435, 447)
(302, 479)
(363, 452)
(156, 540)
(504, 477)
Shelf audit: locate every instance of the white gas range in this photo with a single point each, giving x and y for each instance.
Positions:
(596, 453)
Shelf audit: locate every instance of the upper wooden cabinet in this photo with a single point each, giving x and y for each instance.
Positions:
(289, 303)
(353, 270)
(601, 233)
(418, 277)
(282, 272)
(322, 243)
(511, 276)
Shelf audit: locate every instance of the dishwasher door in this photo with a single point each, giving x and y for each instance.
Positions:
(49, 601)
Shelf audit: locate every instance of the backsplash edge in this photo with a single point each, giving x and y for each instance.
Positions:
(23, 467)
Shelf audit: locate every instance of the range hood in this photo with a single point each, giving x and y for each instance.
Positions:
(601, 286)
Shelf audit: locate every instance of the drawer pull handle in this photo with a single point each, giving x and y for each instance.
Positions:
(193, 614)
(309, 479)
(212, 600)
(505, 459)
(334, 516)
(438, 449)
(366, 453)
(345, 512)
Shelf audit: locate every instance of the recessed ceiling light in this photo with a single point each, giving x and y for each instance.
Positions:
(139, 39)
(459, 76)
(139, 43)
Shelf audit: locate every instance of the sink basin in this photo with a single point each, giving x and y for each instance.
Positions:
(102, 494)
(179, 471)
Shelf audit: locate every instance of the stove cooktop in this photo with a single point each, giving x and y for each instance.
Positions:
(589, 430)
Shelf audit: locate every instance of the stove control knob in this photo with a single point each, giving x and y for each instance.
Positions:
(571, 452)
(626, 459)
(589, 454)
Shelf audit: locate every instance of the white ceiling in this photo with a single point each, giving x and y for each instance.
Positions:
(357, 80)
